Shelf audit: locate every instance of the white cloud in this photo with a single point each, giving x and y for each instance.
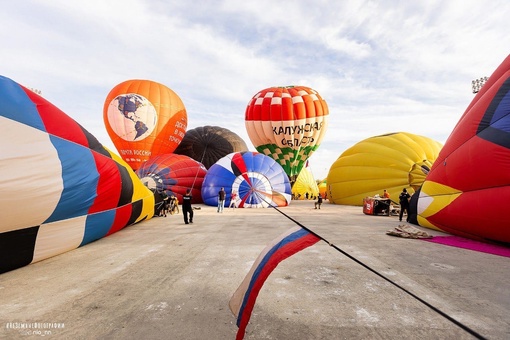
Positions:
(382, 67)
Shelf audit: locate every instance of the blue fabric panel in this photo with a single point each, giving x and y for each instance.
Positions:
(80, 178)
(98, 225)
(17, 106)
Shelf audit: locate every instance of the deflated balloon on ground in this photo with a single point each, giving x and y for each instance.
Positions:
(61, 188)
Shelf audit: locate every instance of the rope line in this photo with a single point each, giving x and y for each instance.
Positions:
(435, 309)
(201, 160)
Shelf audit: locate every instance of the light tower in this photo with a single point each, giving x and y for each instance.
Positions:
(477, 84)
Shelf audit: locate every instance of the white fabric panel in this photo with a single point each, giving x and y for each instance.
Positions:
(30, 176)
(58, 237)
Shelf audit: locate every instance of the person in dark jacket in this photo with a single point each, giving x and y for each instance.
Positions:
(221, 199)
(403, 199)
(187, 209)
(319, 201)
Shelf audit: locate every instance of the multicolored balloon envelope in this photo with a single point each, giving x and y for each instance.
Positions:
(468, 189)
(305, 184)
(257, 180)
(173, 174)
(207, 144)
(287, 124)
(393, 161)
(61, 189)
(144, 119)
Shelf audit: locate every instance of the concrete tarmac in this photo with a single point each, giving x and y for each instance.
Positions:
(162, 279)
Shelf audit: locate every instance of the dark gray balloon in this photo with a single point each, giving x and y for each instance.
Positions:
(208, 144)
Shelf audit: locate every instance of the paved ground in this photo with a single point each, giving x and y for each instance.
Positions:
(162, 279)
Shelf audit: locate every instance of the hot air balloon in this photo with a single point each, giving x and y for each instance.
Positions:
(323, 188)
(392, 161)
(61, 189)
(144, 119)
(467, 190)
(257, 180)
(173, 174)
(287, 124)
(207, 144)
(305, 184)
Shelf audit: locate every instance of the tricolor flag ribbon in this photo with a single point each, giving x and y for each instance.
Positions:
(242, 302)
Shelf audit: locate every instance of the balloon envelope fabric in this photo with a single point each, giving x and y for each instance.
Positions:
(467, 190)
(257, 180)
(207, 144)
(173, 174)
(305, 183)
(392, 161)
(144, 119)
(288, 124)
(60, 187)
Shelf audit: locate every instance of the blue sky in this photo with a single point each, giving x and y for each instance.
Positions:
(382, 66)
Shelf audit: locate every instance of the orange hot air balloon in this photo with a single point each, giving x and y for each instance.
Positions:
(144, 119)
(287, 124)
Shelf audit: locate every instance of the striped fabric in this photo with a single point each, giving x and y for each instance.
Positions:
(242, 302)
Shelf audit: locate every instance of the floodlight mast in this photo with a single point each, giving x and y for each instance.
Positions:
(477, 84)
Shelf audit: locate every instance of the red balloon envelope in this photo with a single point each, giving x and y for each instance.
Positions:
(468, 188)
(173, 174)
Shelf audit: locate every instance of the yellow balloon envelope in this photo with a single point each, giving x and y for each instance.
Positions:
(323, 188)
(305, 183)
(393, 161)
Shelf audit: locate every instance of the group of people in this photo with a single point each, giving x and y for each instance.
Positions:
(308, 196)
(403, 200)
(171, 204)
(221, 199)
(168, 205)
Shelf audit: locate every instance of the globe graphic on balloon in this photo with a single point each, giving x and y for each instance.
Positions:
(138, 115)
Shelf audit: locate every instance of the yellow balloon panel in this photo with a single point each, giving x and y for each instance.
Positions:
(305, 183)
(140, 191)
(392, 162)
(352, 193)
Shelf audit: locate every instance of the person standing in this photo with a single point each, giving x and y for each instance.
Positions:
(233, 197)
(403, 199)
(187, 209)
(386, 194)
(319, 201)
(221, 199)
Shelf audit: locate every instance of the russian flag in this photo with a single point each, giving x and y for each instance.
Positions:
(242, 302)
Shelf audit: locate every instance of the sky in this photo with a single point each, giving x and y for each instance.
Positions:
(381, 66)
